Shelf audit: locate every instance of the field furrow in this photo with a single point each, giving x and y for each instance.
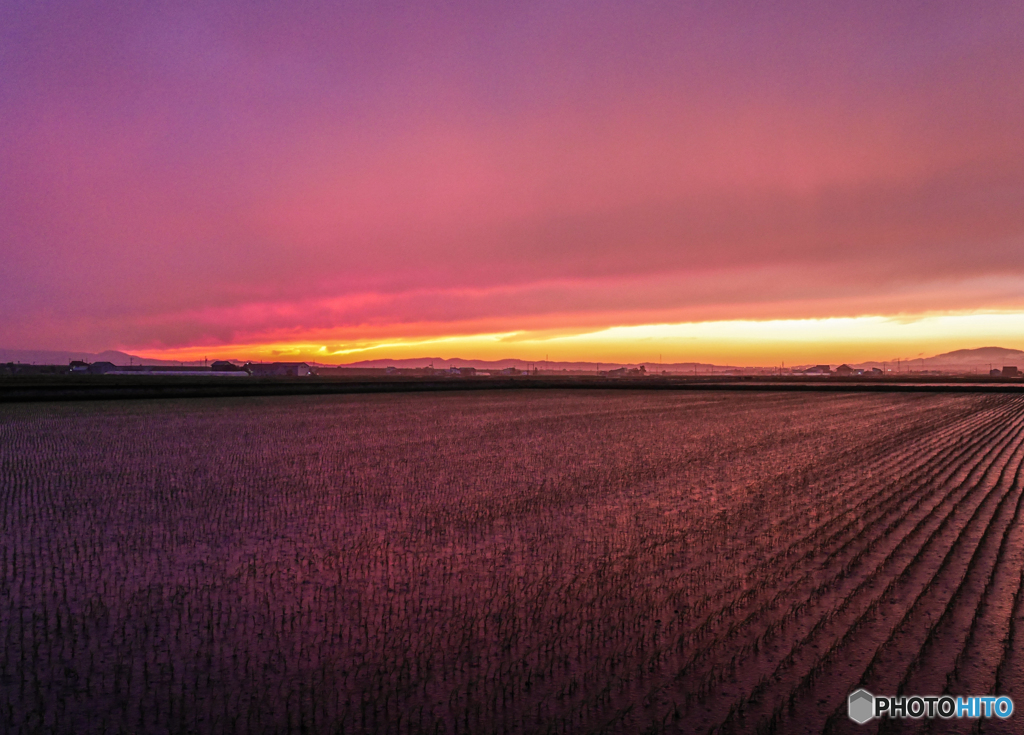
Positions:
(841, 566)
(834, 551)
(509, 563)
(859, 626)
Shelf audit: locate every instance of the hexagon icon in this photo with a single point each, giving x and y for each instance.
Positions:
(861, 706)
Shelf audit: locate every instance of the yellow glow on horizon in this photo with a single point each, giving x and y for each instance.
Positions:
(735, 342)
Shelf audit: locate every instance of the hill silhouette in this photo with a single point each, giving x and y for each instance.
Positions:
(63, 357)
(981, 354)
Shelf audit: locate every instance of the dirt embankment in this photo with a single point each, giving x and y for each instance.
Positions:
(17, 390)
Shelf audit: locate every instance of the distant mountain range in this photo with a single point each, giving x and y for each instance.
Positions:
(975, 359)
(978, 358)
(54, 357)
(956, 360)
(446, 362)
(981, 355)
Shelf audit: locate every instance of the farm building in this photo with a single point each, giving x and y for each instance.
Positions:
(101, 368)
(846, 370)
(1010, 371)
(278, 369)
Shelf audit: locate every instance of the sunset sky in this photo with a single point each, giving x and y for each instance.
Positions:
(727, 182)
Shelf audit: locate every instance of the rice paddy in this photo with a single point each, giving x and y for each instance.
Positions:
(528, 562)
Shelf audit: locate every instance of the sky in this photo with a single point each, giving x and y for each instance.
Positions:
(731, 182)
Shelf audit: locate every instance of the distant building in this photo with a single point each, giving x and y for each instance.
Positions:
(1010, 371)
(167, 371)
(995, 372)
(278, 369)
(818, 370)
(464, 372)
(77, 366)
(224, 366)
(846, 370)
(511, 371)
(624, 371)
(102, 368)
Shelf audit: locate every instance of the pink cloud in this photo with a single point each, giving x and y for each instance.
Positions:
(184, 177)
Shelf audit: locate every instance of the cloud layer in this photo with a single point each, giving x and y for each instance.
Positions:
(242, 174)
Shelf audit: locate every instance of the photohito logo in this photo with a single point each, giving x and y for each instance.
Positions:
(862, 706)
